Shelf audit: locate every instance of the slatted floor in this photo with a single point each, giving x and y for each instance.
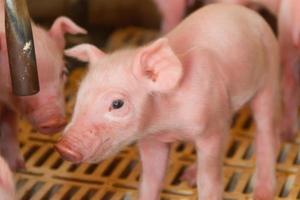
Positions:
(49, 177)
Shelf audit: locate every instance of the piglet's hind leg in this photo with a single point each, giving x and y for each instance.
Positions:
(210, 148)
(265, 108)
(291, 96)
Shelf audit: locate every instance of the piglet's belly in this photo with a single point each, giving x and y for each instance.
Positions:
(175, 136)
(237, 101)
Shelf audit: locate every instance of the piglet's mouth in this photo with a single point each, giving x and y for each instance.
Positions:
(108, 149)
(104, 151)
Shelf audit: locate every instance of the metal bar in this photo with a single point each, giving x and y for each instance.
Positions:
(20, 46)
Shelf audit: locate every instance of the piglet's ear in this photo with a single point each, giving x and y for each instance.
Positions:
(158, 67)
(64, 25)
(85, 52)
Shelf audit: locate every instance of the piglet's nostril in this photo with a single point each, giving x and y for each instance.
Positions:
(67, 152)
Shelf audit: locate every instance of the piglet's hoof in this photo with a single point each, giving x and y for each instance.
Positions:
(17, 164)
(189, 175)
(289, 132)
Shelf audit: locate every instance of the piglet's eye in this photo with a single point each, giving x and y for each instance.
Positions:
(117, 104)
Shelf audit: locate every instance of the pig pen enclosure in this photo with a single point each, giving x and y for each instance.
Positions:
(48, 177)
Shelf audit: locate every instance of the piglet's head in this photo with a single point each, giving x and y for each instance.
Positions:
(46, 110)
(115, 101)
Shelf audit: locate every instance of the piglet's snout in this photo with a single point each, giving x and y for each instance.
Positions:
(53, 126)
(68, 152)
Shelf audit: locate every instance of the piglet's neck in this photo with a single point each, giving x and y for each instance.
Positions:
(174, 111)
(164, 117)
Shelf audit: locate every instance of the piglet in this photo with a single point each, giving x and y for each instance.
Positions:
(184, 86)
(7, 186)
(172, 12)
(45, 110)
(289, 41)
(287, 12)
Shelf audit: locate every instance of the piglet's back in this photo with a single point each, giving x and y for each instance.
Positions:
(237, 37)
(218, 27)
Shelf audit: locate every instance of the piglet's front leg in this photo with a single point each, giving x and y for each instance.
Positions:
(154, 157)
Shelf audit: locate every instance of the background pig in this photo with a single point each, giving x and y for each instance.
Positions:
(7, 186)
(45, 110)
(185, 86)
(289, 40)
(288, 16)
(172, 12)
(271, 5)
